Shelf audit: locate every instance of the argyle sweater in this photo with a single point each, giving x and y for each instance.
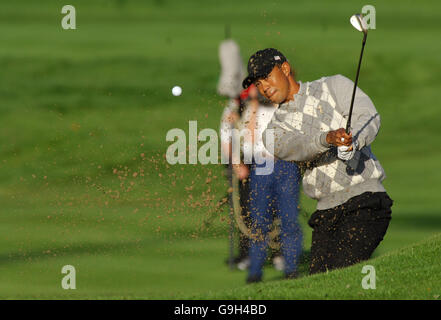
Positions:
(300, 127)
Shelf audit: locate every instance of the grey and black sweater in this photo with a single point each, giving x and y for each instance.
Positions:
(300, 128)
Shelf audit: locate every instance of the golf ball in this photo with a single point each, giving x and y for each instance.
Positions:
(176, 91)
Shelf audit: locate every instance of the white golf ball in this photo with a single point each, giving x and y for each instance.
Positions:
(177, 90)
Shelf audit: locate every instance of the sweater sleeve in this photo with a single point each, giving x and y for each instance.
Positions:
(365, 122)
(288, 143)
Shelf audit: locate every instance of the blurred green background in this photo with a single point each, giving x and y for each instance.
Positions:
(85, 112)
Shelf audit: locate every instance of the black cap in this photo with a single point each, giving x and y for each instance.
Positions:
(261, 64)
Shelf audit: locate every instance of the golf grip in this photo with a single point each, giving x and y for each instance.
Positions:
(348, 124)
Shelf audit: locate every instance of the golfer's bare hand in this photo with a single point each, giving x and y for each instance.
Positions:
(241, 171)
(339, 138)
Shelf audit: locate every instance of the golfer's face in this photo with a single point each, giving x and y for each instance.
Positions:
(275, 86)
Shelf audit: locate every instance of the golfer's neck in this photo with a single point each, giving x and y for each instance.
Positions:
(294, 87)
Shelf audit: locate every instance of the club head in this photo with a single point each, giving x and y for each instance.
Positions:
(358, 23)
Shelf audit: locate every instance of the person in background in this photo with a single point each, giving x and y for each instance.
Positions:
(273, 193)
(239, 100)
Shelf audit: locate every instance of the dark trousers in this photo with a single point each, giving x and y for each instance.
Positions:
(349, 233)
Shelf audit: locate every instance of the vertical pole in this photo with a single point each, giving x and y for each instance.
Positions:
(231, 238)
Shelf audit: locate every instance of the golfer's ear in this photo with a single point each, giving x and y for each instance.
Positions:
(286, 68)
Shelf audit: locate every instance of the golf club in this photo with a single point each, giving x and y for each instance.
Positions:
(358, 22)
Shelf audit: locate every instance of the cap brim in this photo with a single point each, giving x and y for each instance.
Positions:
(247, 82)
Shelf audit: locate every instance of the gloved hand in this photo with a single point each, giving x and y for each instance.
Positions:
(345, 152)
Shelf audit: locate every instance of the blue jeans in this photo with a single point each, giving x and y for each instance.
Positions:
(278, 191)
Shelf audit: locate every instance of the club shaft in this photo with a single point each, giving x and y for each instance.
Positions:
(348, 124)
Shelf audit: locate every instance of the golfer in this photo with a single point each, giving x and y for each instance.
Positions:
(339, 169)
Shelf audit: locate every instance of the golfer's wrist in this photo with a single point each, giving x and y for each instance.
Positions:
(324, 139)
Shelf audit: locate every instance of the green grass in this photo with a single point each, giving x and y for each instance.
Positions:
(408, 273)
(83, 180)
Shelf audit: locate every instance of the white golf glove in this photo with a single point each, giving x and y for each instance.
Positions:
(344, 154)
